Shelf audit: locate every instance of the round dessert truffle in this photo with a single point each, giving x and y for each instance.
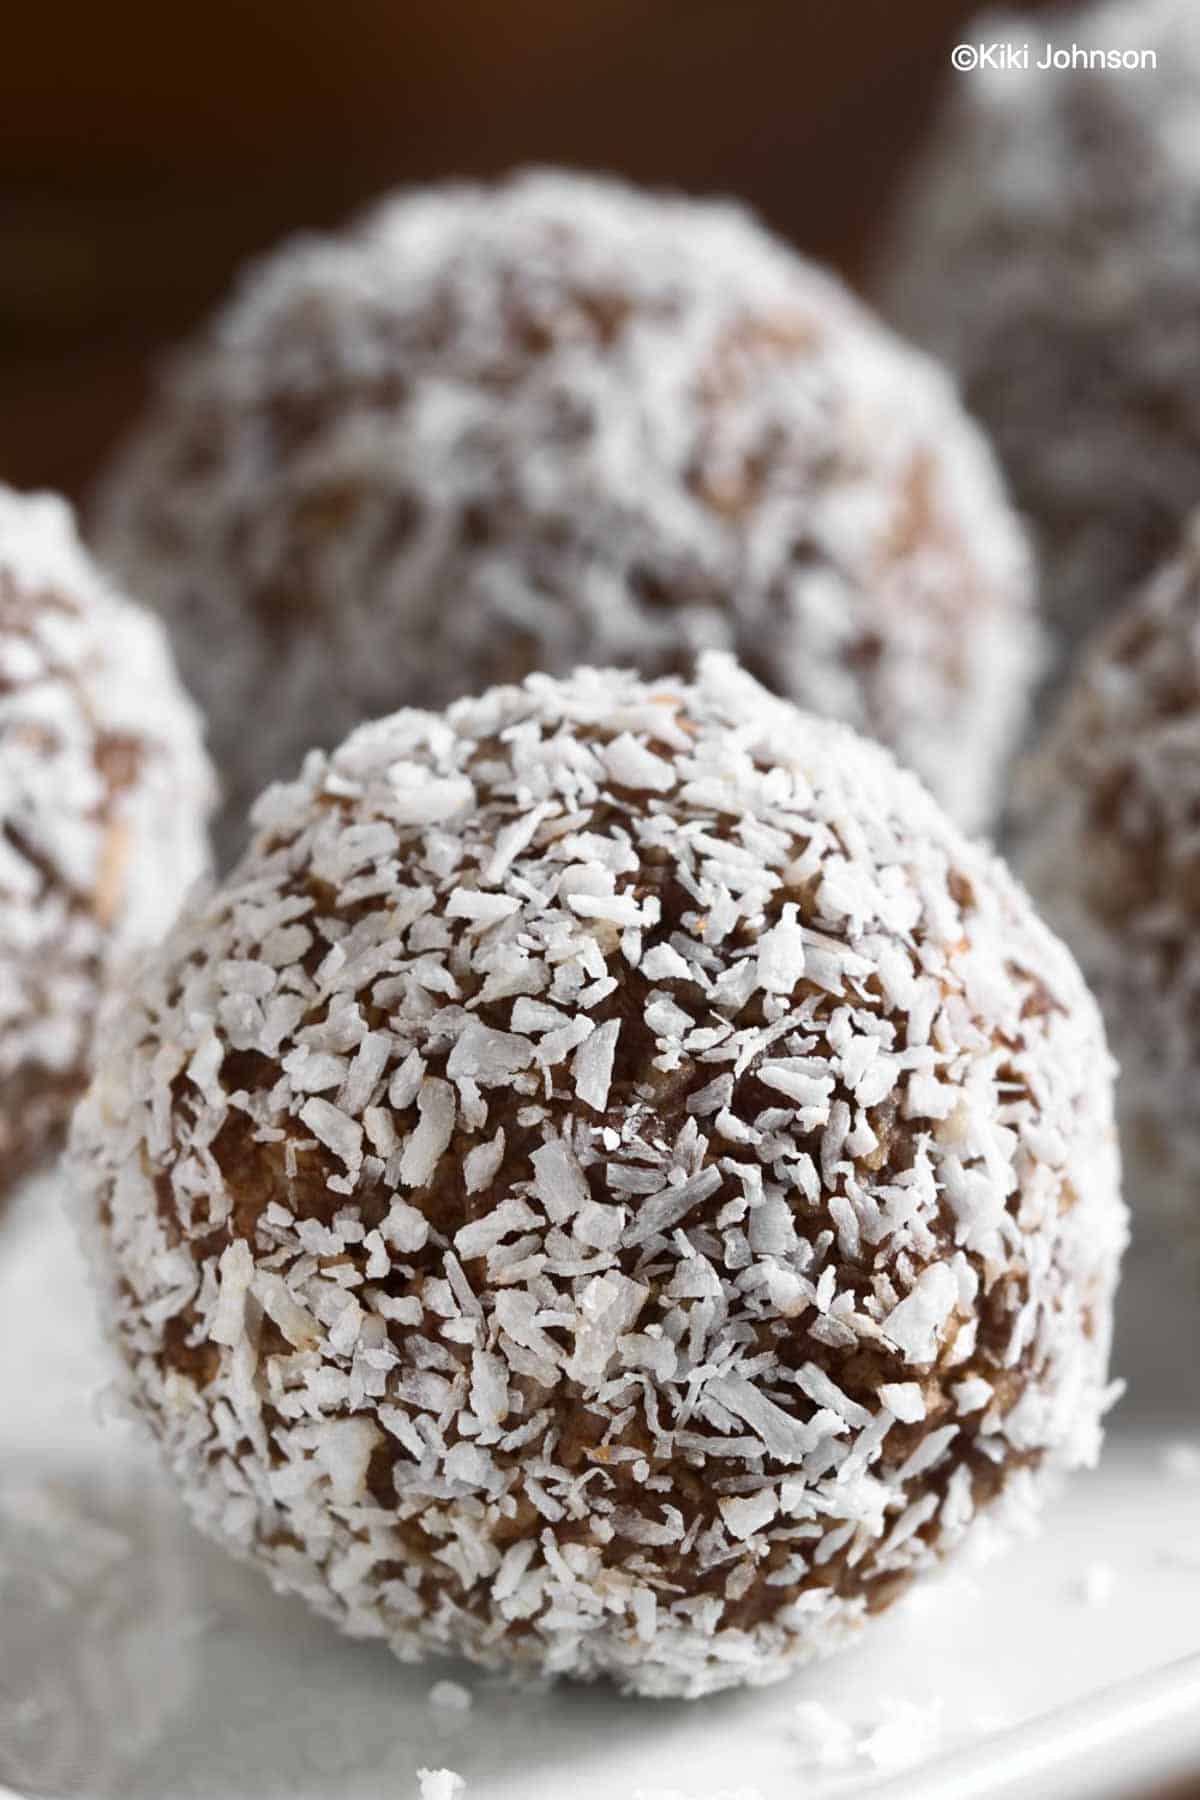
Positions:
(1049, 249)
(613, 1184)
(492, 430)
(1108, 816)
(104, 794)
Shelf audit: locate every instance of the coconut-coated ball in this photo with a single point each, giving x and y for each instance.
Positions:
(491, 430)
(104, 794)
(1049, 249)
(1108, 816)
(614, 1183)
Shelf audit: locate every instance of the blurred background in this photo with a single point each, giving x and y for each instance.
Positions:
(146, 150)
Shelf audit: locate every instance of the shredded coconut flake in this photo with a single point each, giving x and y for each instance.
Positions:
(905, 1399)
(593, 1065)
(337, 1129)
(916, 1323)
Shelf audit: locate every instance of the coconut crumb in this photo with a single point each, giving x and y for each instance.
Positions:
(1182, 1459)
(899, 1734)
(440, 1784)
(825, 1740)
(907, 1734)
(450, 1696)
(1097, 1584)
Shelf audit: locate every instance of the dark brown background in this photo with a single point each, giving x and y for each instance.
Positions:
(145, 149)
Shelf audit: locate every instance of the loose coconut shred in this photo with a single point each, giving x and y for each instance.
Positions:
(497, 429)
(614, 1183)
(1107, 817)
(104, 792)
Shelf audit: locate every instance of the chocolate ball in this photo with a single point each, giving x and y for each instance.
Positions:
(614, 1183)
(1108, 817)
(1047, 249)
(491, 430)
(104, 793)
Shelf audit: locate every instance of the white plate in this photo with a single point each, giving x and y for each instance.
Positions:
(137, 1661)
